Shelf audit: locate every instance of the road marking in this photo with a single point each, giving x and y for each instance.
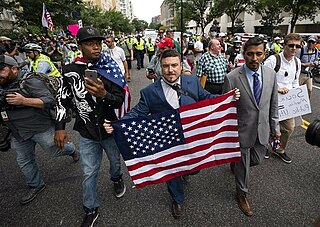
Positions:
(305, 124)
(316, 87)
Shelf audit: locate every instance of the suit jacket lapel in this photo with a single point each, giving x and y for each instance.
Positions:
(246, 85)
(265, 82)
(160, 93)
(184, 85)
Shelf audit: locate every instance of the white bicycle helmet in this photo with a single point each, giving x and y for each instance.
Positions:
(33, 46)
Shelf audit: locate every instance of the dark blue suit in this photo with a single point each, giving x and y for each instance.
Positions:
(152, 100)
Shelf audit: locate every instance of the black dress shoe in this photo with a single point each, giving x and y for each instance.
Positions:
(176, 210)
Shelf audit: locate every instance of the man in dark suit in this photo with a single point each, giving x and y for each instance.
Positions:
(257, 113)
(169, 92)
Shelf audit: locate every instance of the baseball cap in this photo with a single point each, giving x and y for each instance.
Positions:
(170, 30)
(277, 38)
(312, 38)
(165, 42)
(6, 60)
(88, 32)
(4, 38)
(161, 31)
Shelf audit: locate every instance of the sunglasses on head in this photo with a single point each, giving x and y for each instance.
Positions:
(294, 46)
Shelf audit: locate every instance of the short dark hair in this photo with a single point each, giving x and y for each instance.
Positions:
(170, 53)
(256, 41)
(292, 36)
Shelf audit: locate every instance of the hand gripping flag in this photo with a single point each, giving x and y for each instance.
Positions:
(46, 19)
(109, 69)
(162, 146)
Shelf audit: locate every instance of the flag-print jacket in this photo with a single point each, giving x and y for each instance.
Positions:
(91, 111)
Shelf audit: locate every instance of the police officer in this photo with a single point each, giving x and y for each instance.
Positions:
(39, 62)
(150, 48)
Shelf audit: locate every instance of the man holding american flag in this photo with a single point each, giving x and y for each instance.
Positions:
(162, 132)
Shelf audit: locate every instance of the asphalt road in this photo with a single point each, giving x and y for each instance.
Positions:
(281, 194)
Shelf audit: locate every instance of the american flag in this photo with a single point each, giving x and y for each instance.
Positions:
(162, 146)
(46, 19)
(108, 68)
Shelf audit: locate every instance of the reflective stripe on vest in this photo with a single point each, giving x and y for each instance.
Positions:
(140, 45)
(42, 57)
(150, 47)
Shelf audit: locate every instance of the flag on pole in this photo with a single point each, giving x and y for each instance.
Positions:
(162, 146)
(46, 19)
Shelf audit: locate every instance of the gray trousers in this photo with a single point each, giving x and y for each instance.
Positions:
(249, 157)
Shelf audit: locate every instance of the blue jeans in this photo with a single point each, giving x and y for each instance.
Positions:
(26, 156)
(90, 160)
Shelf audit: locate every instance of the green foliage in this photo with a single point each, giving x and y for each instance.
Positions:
(233, 8)
(155, 26)
(270, 12)
(300, 10)
(192, 10)
(139, 25)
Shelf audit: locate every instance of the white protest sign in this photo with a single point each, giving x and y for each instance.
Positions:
(293, 104)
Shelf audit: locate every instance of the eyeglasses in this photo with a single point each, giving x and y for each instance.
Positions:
(311, 41)
(294, 46)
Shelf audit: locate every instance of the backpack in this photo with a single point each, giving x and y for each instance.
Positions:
(278, 64)
(53, 83)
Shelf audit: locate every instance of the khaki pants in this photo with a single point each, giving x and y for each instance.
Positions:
(286, 129)
(305, 78)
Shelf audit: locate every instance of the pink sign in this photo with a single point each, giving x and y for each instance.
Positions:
(73, 28)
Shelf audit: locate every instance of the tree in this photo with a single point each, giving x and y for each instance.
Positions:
(270, 12)
(300, 10)
(29, 14)
(192, 10)
(139, 25)
(154, 26)
(233, 8)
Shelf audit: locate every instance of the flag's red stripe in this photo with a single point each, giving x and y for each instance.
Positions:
(192, 150)
(171, 176)
(182, 153)
(211, 122)
(206, 102)
(189, 119)
(155, 170)
(212, 134)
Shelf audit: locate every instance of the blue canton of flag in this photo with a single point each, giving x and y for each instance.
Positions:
(109, 69)
(142, 137)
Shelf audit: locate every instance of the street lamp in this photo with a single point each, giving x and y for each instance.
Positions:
(181, 29)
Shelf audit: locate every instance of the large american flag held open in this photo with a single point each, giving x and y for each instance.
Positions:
(162, 146)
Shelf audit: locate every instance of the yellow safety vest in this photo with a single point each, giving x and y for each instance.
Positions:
(277, 48)
(42, 57)
(130, 41)
(140, 45)
(150, 47)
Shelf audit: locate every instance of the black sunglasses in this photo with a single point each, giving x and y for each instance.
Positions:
(294, 45)
(311, 41)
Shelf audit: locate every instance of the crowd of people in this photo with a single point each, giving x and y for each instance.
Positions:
(93, 71)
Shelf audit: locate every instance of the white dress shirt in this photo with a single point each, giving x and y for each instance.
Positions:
(170, 94)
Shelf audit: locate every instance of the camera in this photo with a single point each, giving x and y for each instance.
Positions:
(3, 94)
(313, 133)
